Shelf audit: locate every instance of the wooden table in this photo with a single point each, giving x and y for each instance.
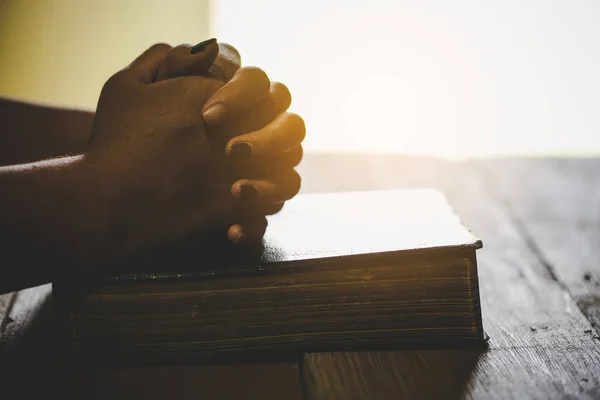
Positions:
(539, 272)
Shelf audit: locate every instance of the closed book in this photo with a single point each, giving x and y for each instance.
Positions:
(335, 271)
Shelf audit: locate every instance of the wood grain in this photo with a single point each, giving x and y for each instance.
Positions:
(538, 270)
(6, 303)
(536, 372)
(265, 381)
(35, 366)
(28, 361)
(555, 204)
(523, 306)
(518, 373)
(432, 374)
(24, 310)
(511, 276)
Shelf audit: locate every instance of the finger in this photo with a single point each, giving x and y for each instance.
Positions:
(282, 98)
(285, 132)
(146, 66)
(262, 210)
(227, 63)
(256, 118)
(185, 60)
(190, 93)
(248, 87)
(260, 168)
(248, 232)
(272, 209)
(288, 160)
(275, 189)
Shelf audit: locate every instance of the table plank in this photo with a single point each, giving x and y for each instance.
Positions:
(536, 372)
(27, 358)
(523, 306)
(432, 374)
(518, 373)
(31, 356)
(264, 381)
(24, 310)
(512, 277)
(541, 342)
(555, 204)
(6, 303)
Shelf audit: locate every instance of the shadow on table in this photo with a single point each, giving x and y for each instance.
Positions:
(418, 374)
(33, 364)
(30, 356)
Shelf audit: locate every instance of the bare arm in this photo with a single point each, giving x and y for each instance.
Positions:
(150, 173)
(52, 218)
(31, 132)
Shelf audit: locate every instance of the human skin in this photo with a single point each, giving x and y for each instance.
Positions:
(151, 172)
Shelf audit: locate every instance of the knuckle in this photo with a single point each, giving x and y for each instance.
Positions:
(297, 124)
(298, 154)
(296, 121)
(114, 82)
(173, 62)
(280, 90)
(295, 182)
(178, 53)
(256, 76)
(281, 94)
(160, 47)
(273, 209)
(278, 87)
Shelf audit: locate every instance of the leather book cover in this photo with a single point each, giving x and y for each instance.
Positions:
(317, 229)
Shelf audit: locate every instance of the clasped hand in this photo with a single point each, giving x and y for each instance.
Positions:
(184, 139)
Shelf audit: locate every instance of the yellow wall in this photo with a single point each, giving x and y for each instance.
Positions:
(62, 51)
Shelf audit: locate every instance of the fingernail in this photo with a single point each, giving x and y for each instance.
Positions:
(240, 151)
(248, 193)
(200, 47)
(214, 113)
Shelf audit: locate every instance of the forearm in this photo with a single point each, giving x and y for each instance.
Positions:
(32, 132)
(51, 221)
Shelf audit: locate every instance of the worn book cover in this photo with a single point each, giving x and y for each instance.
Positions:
(342, 271)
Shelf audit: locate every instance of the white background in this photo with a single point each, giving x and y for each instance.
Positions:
(445, 78)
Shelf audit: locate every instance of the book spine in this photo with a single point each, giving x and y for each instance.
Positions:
(473, 282)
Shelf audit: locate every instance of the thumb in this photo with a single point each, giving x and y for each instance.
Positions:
(146, 66)
(185, 60)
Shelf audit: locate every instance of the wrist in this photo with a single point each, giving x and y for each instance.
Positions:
(111, 202)
(53, 223)
(81, 207)
(93, 193)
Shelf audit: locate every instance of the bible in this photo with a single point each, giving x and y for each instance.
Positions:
(335, 271)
